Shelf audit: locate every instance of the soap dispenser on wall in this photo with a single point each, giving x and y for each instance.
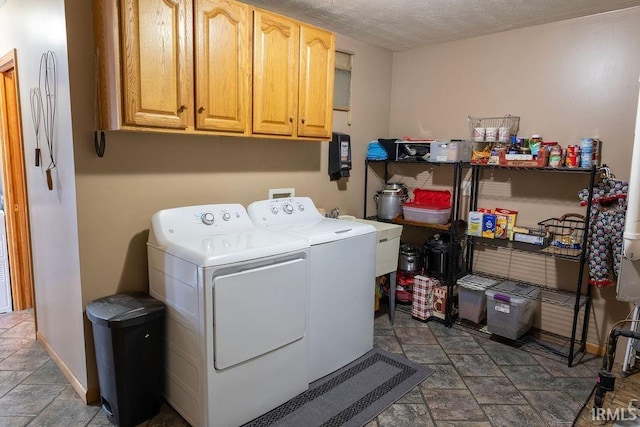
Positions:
(339, 156)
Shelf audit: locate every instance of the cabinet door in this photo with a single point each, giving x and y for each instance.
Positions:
(223, 70)
(156, 62)
(317, 68)
(275, 74)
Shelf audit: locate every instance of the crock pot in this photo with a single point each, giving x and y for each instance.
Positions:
(437, 251)
(410, 258)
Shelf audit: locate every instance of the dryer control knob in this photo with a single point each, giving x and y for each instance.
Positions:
(226, 216)
(274, 210)
(300, 207)
(207, 218)
(288, 208)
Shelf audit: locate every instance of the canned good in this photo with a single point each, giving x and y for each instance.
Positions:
(555, 156)
(571, 161)
(586, 145)
(573, 150)
(503, 134)
(491, 134)
(586, 159)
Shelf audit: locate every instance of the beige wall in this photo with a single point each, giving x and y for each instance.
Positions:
(142, 173)
(568, 80)
(34, 27)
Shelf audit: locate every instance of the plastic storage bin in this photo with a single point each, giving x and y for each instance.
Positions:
(450, 151)
(472, 299)
(128, 332)
(511, 307)
(417, 213)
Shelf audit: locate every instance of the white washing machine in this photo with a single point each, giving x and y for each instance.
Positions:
(342, 282)
(236, 296)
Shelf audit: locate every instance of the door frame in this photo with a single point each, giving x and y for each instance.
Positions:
(14, 185)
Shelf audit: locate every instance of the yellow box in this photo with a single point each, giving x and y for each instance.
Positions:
(511, 221)
(501, 226)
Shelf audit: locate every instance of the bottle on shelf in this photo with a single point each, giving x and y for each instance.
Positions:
(535, 144)
(513, 148)
(523, 146)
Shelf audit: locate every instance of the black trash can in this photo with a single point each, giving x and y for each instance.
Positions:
(128, 332)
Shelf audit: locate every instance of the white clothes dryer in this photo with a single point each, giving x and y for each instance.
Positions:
(342, 279)
(236, 297)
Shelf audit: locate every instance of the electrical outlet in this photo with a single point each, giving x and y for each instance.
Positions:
(279, 193)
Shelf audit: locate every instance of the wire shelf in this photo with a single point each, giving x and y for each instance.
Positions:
(565, 234)
(508, 121)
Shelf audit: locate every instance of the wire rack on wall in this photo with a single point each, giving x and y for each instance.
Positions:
(509, 121)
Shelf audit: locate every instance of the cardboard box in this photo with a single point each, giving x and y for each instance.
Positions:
(511, 220)
(474, 225)
(534, 239)
(489, 225)
(440, 302)
(540, 162)
(501, 226)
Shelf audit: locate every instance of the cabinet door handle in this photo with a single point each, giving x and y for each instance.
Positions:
(290, 119)
(182, 108)
(303, 121)
(201, 110)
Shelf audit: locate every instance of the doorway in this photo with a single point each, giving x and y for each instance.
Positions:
(14, 186)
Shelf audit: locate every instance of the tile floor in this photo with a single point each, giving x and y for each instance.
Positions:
(478, 381)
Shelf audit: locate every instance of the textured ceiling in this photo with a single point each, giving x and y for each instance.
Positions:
(405, 24)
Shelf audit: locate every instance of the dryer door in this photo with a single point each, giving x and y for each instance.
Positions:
(258, 310)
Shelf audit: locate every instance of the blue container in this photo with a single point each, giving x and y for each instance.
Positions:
(586, 145)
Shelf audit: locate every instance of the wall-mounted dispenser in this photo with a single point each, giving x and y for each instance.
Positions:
(339, 156)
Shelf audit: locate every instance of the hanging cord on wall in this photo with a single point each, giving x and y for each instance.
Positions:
(47, 83)
(36, 114)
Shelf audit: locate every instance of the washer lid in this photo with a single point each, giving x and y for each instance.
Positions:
(324, 230)
(299, 216)
(211, 235)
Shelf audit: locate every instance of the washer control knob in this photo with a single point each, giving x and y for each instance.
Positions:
(226, 216)
(300, 207)
(288, 208)
(207, 218)
(274, 210)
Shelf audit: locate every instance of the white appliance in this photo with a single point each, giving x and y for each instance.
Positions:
(628, 287)
(5, 281)
(236, 297)
(342, 281)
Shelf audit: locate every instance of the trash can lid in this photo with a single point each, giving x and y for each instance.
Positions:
(124, 310)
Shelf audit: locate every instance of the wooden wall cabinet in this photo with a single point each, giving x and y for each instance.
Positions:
(293, 71)
(186, 66)
(317, 71)
(154, 88)
(223, 66)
